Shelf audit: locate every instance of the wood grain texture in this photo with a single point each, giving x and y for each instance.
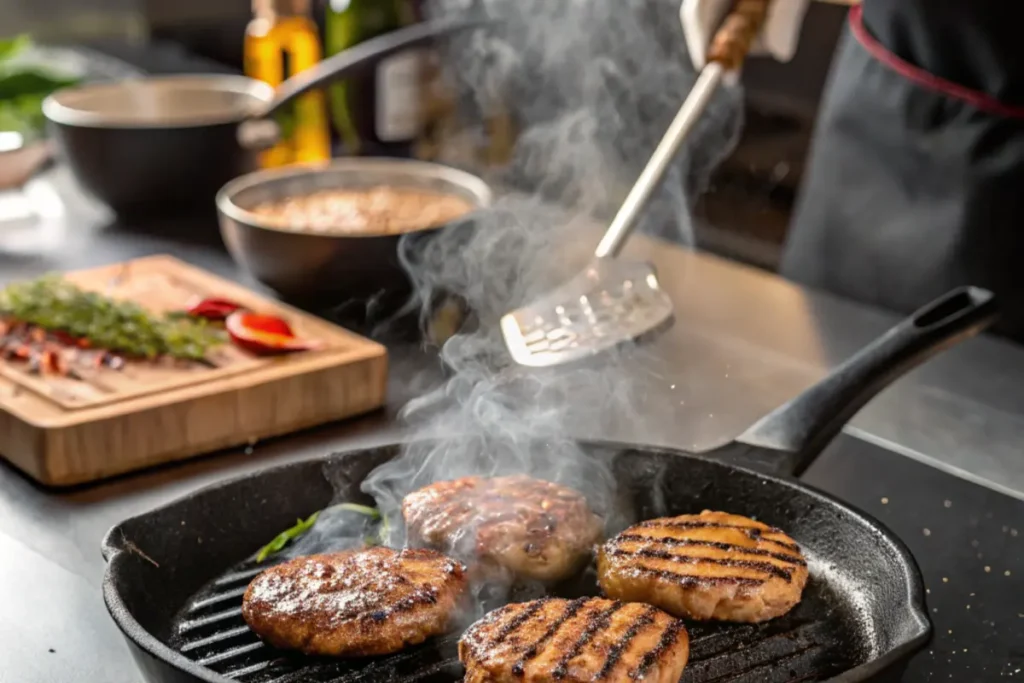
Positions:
(155, 416)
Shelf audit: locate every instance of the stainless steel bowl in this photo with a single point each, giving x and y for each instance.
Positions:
(316, 266)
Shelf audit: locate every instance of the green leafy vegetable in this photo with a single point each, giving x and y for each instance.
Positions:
(23, 88)
(23, 115)
(370, 512)
(9, 47)
(302, 526)
(30, 82)
(57, 305)
(286, 536)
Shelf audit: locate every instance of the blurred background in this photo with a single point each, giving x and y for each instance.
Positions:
(744, 215)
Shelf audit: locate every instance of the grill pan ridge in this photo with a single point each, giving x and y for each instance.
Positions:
(175, 576)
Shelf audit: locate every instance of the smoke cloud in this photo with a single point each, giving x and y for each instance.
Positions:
(592, 85)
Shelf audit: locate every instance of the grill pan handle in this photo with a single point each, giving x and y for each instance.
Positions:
(804, 426)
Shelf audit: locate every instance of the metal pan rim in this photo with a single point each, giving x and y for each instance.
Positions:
(60, 108)
(475, 189)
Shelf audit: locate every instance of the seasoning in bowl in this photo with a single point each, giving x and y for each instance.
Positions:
(373, 211)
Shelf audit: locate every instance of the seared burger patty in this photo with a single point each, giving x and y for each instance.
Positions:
(354, 603)
(590, 639)
(537, 529)
(708, 566)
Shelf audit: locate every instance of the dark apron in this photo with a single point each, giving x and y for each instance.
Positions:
(915, 185)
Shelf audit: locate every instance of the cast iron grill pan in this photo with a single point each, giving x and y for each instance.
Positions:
(176, 575)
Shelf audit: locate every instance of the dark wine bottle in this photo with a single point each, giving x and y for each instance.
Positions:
(380, 111)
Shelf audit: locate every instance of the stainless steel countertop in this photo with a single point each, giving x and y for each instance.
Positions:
(963, 411)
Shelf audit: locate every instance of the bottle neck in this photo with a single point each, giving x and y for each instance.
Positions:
(272, 9)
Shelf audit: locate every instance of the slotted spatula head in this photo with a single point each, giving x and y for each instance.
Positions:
(611, 302)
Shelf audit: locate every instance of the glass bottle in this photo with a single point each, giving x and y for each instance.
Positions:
(380, 111)
(280, 41)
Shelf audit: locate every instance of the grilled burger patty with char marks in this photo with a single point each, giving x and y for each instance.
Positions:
(355, 603)
(571, 641)
(711, 566)
(537, 529)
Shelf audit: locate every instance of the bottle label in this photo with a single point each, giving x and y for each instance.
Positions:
(399, 114)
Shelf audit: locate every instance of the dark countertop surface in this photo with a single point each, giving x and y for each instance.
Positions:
(969, 544)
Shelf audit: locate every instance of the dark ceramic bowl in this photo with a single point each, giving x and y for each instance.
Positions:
(163, 144)
(311, 266)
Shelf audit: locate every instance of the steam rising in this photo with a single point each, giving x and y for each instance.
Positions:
(592, 84)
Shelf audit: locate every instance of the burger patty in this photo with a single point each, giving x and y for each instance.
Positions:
(355, 603)
(590, 639)
(536, 529)
(708, 566)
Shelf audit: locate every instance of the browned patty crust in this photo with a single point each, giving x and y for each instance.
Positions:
(536, 529)
(355, 603)
(713, 566)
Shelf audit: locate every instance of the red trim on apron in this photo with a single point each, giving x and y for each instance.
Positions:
(975, 98)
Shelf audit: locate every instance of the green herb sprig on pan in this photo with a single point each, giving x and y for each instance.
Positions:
(56, 305)
(302, 526)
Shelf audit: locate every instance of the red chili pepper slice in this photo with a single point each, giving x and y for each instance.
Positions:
(213, 308)
(265, 334)
(269, 324)
(53, 363)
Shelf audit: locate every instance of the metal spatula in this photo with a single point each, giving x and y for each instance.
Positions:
(612, 302)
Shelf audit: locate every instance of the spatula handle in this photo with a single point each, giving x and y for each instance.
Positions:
(728, 50)
(738, 32)
(687, 117)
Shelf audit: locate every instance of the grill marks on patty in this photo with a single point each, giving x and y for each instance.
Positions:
(795, 558)
(687, 551)
(571, 608)
(708, 566)
(752, 532)
(595, 624)
(355, 603)
(662, 540)
(589, 639)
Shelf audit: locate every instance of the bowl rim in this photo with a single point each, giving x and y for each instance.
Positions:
(58, 110)
(476, 189)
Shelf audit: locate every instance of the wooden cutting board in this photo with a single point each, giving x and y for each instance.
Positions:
(63, 431)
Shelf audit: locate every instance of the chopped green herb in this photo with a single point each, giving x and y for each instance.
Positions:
(381, 536)
(120, 326)
(370, 512)
(286, 536)
(302, 526)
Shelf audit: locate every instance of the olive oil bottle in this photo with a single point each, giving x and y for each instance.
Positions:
(280, 41)
(379, 112)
